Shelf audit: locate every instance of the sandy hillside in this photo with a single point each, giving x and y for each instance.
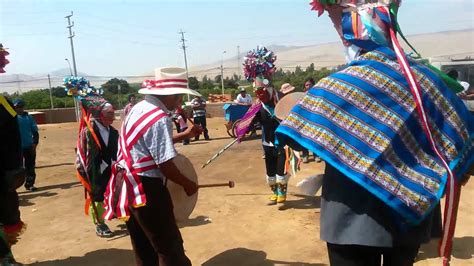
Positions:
(449, 44)
(227, 227)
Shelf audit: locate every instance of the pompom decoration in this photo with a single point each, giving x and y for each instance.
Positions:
(3, 58)
(79, 87)
(259, 62)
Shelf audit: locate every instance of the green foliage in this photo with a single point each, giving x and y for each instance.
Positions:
(231, 83)
(112, 86)
(193, 83)
(40, 99)
(59, 91)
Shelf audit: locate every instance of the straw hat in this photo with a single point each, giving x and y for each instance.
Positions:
(286, 88)
(168, 81)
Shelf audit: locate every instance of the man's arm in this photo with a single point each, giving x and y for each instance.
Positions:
(190, 132)
(34, 129)
(172, 172)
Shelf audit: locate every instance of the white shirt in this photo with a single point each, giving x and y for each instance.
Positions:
(247, 99)
(157, 141)
(104, 132)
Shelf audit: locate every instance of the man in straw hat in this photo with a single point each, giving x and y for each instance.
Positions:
(394, 136)
(137, 190)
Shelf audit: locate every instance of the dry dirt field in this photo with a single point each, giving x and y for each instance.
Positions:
(227, 227)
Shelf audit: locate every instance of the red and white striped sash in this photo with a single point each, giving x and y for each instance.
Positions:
(131, 189)
(452, 188)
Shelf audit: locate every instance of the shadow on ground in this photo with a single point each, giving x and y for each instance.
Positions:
(463, 248)
(303, 202)
(248, 257)
(26, 199)
(196, 221)
(42, 189)
(53, 165)
(103, 257)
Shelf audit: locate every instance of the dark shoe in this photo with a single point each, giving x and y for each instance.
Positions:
(207, 138)
(31, 188)
(305, 159)
(9, 261)
(102, 230)
(196, 138)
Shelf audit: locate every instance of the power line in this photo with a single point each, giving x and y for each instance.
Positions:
(107, 37)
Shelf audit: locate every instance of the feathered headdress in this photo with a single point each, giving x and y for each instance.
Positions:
(3, 58)
(259, 64)
(90, 98)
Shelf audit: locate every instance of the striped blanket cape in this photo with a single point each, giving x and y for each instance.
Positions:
(362, 120)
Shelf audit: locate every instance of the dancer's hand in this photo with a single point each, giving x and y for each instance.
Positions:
(193, 131)
(190, 187)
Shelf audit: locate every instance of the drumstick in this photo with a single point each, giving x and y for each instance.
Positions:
(229, 184)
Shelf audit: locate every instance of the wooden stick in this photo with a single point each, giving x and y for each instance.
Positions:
(219, 153)
(229, 184)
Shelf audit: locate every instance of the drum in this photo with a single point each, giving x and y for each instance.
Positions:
(183, 205)
(283, 107)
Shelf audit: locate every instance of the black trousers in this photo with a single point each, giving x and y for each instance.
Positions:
(156, 239)
(354, 255)
(201, 120)
(274, 160)
(29, 157)
(9, 212)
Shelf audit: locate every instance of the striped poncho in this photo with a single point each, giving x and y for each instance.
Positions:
(362, 120)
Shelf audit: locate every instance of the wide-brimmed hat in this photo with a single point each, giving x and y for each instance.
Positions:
(286, 88)
(168, 81)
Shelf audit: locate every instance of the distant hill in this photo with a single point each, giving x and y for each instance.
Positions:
(444, 45)
(449, 44)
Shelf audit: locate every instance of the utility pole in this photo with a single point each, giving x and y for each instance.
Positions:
(238, 61)
(71, 35)
(119, 100)
(183, 46)
(50, 92)
(222, 72)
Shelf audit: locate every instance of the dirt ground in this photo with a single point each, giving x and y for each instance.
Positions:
(227, 227)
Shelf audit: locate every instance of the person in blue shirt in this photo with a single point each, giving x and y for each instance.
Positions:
(29, 141)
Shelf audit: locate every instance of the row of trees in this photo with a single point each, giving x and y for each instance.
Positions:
(117, 90)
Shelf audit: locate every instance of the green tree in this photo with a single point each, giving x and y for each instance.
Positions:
(231, 83)
(112, 86)
(59, 92)
(193, 83)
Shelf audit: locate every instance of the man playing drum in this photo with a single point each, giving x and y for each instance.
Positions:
(137, 190)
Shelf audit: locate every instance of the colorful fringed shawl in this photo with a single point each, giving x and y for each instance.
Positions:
(362, 120)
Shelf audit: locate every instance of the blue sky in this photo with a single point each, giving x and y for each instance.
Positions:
(134, 37)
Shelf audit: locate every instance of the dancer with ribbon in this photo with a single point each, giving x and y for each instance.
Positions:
(96, 147)
(259, 66)
(12, 175)
(394, 136)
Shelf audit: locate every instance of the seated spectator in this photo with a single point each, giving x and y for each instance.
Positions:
(243, 98)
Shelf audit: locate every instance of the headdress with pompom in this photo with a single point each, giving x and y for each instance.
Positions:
(259, 65)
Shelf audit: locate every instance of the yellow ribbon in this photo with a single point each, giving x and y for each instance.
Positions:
(7, 106)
